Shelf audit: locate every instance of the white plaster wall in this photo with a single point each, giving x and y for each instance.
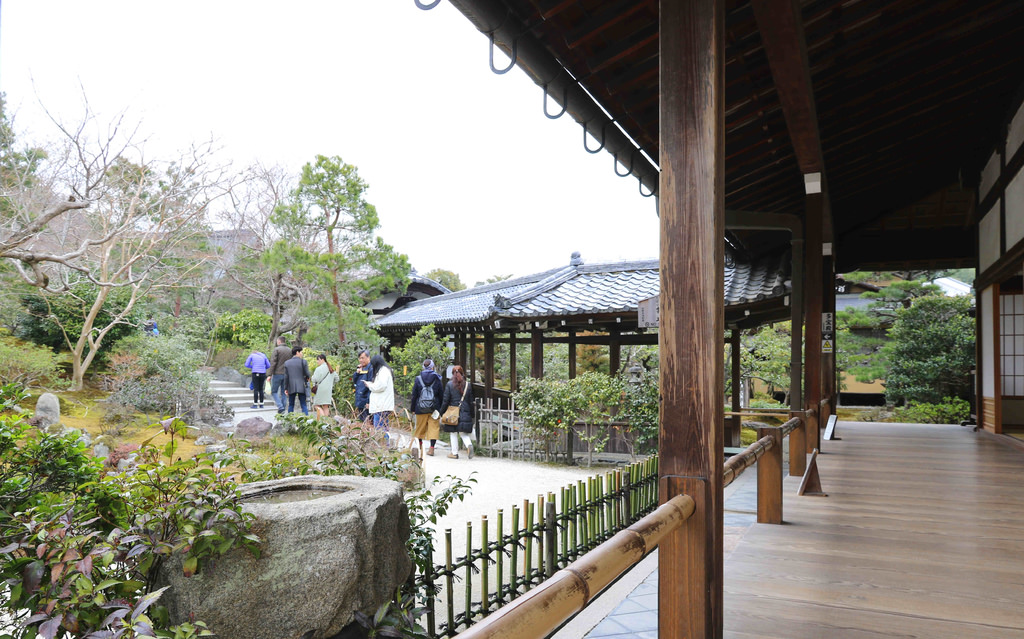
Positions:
(1016, 133)
(1015, 211)
(988, 239)
(384, 301)
(989, 175)
(988, 354)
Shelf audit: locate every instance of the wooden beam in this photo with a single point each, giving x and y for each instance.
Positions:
(797, 439)
(692, 214)
(782, 33)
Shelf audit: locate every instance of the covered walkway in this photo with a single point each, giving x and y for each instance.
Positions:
(922, 535)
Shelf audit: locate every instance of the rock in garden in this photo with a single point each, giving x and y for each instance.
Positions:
(228, 374)
(206, 440)
(101, 450)
(253, 427)
(216, 448)
(321, 559)
(47, 410)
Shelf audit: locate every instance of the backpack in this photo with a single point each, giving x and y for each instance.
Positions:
(425, 403)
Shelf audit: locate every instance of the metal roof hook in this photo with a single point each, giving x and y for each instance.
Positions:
(425, 6)
(653, 192)
(565, 102)
(514, 56)
(615, 156)
(587, 148)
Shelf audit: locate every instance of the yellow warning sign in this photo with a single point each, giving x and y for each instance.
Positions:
(826, 346)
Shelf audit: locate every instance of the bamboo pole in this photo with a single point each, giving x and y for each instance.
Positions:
(528, 551)
(469, 571)
(484, 566)
(550, 531)
(448, 578)
(543, 610)
(514, 564)
(500, 558)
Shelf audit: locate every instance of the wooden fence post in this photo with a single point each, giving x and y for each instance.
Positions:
(769, 479)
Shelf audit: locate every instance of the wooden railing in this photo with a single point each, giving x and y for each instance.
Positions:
(544, 609)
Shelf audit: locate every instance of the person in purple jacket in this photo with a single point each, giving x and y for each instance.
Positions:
(259, 365)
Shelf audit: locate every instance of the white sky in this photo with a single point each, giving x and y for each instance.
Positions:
(465, 170)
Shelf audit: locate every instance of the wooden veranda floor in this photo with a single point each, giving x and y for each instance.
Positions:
(922, 535)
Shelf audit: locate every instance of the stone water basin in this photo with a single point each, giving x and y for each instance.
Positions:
(331, 546)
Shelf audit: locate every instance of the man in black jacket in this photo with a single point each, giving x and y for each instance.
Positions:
(278, 358)
(296, 380)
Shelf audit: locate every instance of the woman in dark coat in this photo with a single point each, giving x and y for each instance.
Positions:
(452, 397)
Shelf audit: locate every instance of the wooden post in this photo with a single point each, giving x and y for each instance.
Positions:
(769, 479)
(537, 353)
(732, 438)
(812, 361)
(488, 365)
(614, 352)
(460, 349)
(831, 382)
(513, 378)
(691, 192)
(471, 354)
(797, 439)
(572, 353)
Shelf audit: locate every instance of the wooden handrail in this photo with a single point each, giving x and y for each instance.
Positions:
(790, 426)
(542, 610)
(765, 410)
(736, 464)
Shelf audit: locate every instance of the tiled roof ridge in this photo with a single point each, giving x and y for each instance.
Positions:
(476, 290)
(423, 279)
(563, 275)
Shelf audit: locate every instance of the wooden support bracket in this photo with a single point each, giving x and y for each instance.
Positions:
(810, 485)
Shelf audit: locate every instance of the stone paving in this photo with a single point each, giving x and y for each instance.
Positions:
(637, 614)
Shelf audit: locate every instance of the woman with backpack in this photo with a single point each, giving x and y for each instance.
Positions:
(427, 391)
(382, 394)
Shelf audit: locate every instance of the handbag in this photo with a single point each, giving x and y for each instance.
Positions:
(451, 414)
(313, 388)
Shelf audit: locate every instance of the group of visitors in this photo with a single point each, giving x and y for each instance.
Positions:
(437, 406)
(290, 379)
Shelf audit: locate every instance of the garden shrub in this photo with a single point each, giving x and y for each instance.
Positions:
(247, 328)
(952, 410)
(82, 550)
(26, 363)
(407, 360)
(159, 375)
(641, 408)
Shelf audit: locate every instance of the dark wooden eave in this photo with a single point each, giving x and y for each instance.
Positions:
(910, 97)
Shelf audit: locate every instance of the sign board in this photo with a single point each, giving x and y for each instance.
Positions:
(647, 313)
(826, 345)
(827, 325)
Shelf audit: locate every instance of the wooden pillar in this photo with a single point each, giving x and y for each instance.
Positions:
(537, 353)
(798, 438)
(830, 384)
(460, 349)
(472, 358)
(572, 353)
(814, 305)
(488, 365)
(614, 352)
(513, 378)
(732, 437)
(691, 215)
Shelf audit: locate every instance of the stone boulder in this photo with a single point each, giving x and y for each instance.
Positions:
(228, 374)
(47, 410)
(253, 427)
(323, 557)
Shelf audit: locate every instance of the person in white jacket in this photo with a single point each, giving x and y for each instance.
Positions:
(382, 393)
